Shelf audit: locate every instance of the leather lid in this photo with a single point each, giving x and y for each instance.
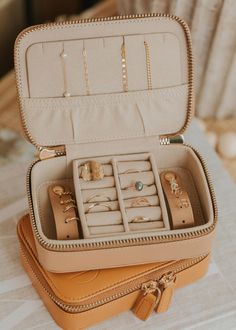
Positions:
(70, 85)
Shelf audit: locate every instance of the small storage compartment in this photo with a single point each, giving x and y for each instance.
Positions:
(107, 207)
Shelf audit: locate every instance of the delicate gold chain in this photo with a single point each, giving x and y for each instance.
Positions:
(124, 68)
(86, 74)
(64, 57)
(148, 65)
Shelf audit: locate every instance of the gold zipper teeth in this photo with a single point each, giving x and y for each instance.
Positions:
(126, 241)
(103, 19)
(176, 268)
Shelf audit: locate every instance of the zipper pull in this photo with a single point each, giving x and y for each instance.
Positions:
(47, 153)
(167, 285)
(147, 301)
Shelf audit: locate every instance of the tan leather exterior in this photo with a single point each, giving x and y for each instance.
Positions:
(144, 306)
(179, 157)
(125, 256)
(72, 288)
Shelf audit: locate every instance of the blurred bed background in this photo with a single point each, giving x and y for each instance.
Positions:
(213, 28)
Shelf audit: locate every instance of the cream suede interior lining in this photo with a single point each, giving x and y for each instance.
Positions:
(106, 117)
(175, 157)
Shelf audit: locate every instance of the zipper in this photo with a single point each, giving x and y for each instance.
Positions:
(57, 246)
(46, 153)
(158, 276)
(166, 140)
(48, 26)
(155, 294)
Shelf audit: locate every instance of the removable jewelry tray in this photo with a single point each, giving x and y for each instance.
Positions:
(122, 218)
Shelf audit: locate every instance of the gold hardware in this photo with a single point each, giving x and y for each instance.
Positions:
(46, 153)
(148, 300)
(167, 285)
(166, 140)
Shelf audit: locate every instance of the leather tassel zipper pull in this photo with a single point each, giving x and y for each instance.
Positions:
(167, 286)
(147, 301)
(155, 295)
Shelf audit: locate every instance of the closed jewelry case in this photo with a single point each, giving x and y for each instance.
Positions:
(119, 92)
(81, 299)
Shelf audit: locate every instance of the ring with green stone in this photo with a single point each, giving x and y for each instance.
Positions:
(138, 185)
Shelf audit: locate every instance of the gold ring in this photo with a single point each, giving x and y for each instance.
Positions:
(98, 204)
(137, 185)
(140, 201)
(98, 195)
(140, 219)
(132, 170)
(92, 171)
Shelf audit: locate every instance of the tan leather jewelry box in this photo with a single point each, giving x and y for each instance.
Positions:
(118, 91)
(82, 299)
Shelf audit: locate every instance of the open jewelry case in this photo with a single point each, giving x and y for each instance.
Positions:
(106, 101)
